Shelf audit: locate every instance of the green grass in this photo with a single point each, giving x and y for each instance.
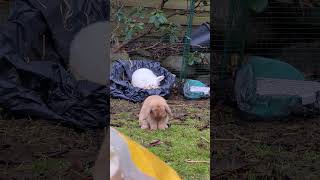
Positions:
(181, 142)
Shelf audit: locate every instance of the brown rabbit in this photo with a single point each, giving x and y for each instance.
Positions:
(154, 113)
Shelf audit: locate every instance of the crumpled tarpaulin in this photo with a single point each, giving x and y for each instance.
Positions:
(120, 80)
(36, 86)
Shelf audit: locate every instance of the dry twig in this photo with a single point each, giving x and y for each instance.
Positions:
(220, 139)
(243, 138)
(193, 161)
(205, 139)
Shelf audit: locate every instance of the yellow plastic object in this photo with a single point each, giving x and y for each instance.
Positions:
(137, 158)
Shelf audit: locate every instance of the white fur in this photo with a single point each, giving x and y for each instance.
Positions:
(145, 79)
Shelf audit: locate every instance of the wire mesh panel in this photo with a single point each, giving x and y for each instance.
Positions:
(199, 68)
(288, 31)
(281, 29)
(229, 19)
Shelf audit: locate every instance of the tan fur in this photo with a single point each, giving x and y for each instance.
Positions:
(154, 113)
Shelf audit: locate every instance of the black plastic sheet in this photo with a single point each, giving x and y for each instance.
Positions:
(122, 88)
(40, 86)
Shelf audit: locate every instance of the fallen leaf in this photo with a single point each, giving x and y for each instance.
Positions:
(155, 143)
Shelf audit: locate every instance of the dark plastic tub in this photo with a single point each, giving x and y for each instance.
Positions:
(200, 37)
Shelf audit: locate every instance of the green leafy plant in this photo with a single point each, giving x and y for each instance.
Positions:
(140, 22)
(170, 31)
(132, 22)
(158, 18)
(195, 58)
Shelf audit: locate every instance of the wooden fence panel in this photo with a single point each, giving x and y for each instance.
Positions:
(171, 4)
(176, 7)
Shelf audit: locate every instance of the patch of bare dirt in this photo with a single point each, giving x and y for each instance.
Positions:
(181, 108)
(287, 149)
(37, 149)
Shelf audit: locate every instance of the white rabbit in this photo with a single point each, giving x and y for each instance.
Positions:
(145, 79)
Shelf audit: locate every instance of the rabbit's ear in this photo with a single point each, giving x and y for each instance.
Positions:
(144, 113)
(168, 110)
(160, 78)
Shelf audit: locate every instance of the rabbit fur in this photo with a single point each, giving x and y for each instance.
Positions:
(145, 79)
(154, 113)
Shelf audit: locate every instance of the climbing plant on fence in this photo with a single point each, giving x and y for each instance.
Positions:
(137, 22)
(161, 31)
